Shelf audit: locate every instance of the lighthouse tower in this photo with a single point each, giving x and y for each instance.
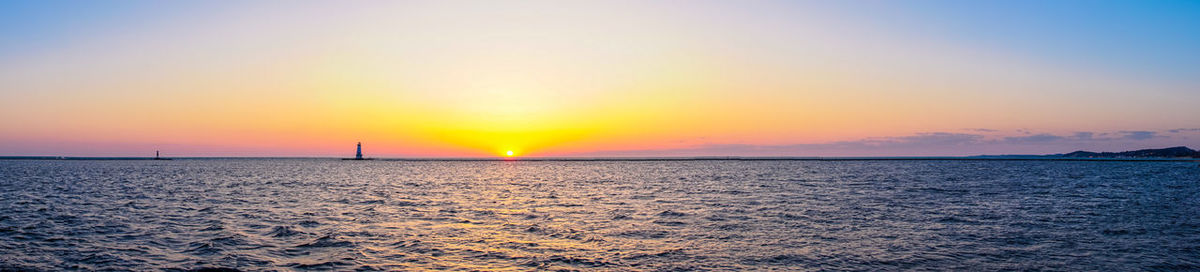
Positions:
(358, 153)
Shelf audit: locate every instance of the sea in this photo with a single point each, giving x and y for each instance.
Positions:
(671, 215)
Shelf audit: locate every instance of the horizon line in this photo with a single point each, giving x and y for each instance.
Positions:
(1052, 157)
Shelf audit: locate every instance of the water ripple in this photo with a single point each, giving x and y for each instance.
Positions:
(310, 214)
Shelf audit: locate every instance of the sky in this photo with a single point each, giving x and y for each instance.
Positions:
(597, 78)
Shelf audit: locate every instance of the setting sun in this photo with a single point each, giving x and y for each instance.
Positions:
(599, 135)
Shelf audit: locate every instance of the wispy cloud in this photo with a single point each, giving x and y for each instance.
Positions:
(1036, 138)
(1182, 130)
(931, 138)
(1139, 135)
(931, 143)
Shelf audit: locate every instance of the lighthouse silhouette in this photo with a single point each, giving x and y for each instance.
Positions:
(358, 152)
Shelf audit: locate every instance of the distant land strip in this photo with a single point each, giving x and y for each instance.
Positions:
(1170, 154)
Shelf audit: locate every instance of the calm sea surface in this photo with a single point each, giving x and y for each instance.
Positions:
(310, 214)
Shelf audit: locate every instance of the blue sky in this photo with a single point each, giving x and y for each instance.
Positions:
(599, 77)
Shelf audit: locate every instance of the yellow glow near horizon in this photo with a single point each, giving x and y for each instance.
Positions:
(540, 79)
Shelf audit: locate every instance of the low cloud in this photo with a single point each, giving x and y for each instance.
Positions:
(918, 144)
(936, 144)
(1036, 138)
(1083, 136)
(1182, 130)
(932, 138)
(1139, 135)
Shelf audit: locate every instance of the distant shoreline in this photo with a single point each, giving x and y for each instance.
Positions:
(704, 158)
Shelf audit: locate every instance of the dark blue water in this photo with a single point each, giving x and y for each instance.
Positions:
(298, 214)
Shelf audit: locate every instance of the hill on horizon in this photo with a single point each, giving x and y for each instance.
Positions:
(1170, 152)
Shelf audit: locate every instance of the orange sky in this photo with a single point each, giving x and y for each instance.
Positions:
(470, 79)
